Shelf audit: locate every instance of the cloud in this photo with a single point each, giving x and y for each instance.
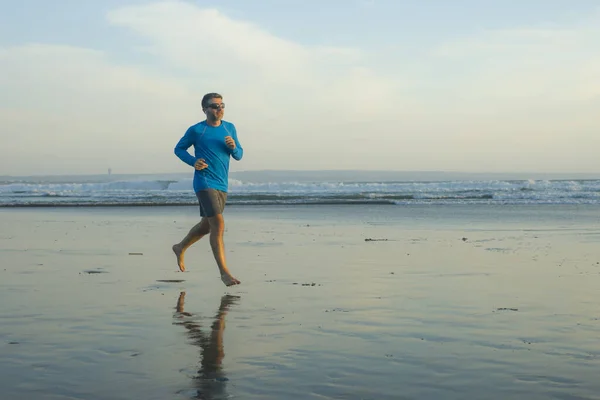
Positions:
(79, 107)
(503, 100)
(54, 76)
(241, 57)
(514, 67)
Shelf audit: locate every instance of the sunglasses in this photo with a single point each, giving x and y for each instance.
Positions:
(216, 106)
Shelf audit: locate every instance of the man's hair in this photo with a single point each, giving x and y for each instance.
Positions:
(210, 96)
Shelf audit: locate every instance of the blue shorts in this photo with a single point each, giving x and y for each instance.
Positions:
(212, 202)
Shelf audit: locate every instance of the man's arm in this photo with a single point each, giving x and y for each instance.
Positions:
(238, 152)
(181, 148)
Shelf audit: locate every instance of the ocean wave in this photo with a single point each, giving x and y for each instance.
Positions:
(179, 192)
(150, 185)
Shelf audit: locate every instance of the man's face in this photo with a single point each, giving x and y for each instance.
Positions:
(215, 109)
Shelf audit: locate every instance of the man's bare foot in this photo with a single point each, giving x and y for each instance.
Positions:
(229, 280)
(179, 253)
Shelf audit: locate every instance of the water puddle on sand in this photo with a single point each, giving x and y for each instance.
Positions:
(95, 271)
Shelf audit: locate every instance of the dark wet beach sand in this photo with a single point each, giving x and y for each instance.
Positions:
(347, 302)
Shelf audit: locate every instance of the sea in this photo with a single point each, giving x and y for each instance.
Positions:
(304, 188)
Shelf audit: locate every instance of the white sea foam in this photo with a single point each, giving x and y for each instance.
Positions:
(179, 190)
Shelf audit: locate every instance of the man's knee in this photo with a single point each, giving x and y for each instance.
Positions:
(205, 228)
(202, 227)
(216, 223)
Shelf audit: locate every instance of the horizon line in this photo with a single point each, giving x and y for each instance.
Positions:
(319, 170)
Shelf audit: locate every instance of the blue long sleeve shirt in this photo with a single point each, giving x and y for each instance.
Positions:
(209, 144)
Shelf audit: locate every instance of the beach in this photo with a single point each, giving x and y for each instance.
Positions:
(336, 302)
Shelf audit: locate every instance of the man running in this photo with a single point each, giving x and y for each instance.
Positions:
(214, 141)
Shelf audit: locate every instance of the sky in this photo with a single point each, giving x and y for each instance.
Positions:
(433, 85)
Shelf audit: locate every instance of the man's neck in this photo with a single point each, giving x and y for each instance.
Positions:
(213, 122)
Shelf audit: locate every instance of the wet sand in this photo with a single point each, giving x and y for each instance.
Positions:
(351, 302)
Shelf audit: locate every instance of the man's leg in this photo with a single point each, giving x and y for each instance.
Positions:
(196, 233)
(217, 228)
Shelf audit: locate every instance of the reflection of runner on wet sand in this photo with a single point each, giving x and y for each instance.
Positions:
(211, 377)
